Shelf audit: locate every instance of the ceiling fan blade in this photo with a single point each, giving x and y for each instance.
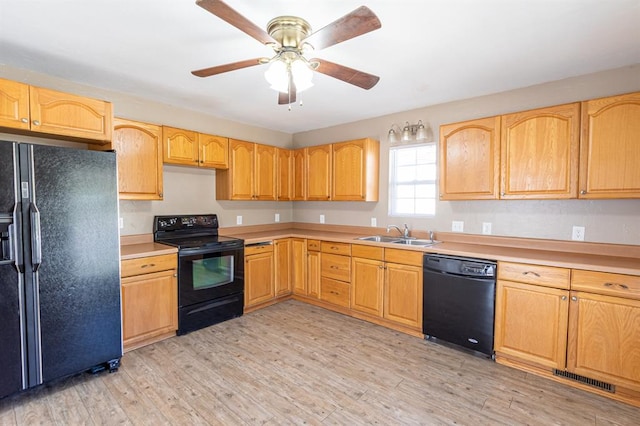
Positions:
(229, 15)
(206, 72)
(360, 21)
(346, 74)
(285, 98)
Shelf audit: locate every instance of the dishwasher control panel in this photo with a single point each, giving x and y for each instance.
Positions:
(460, 265)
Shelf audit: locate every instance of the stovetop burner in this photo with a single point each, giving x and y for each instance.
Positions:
(190, 232)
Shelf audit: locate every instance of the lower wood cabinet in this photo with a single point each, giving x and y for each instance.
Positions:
(258, 275)
(149, 300)
(313, 268)
(387, 283)
(299, 266)
(554, 321)
(282, 263)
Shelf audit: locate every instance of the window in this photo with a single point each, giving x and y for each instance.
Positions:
(412, 180)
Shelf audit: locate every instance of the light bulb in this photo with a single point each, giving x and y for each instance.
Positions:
(278, 76)
(406, 133)
(421, 134)
(302, 75)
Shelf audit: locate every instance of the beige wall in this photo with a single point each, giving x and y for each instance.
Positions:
(614, 221)
(191, 190)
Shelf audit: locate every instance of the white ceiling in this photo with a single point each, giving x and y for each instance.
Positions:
(427, 51)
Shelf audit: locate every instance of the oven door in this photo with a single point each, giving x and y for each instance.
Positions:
(209, 275)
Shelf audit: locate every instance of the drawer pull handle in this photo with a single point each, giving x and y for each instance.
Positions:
(622, 286)
(532, 273)
(334, 292)
(333, 267)
(149, 265)
(335, 248)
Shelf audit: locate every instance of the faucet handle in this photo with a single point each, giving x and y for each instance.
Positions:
(431, 235)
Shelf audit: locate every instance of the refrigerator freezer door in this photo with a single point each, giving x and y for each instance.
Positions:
(78, 280)
(11, 342)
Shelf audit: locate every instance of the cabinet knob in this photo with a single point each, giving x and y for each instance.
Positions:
(160, 194)
(563, 298)
(24, 120)
(574, 298)
(36, 123)
(502, 194)
(582, 192)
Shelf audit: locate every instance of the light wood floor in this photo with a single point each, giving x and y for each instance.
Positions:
(293, 363)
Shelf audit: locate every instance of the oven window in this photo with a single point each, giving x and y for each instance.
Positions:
(212, 272)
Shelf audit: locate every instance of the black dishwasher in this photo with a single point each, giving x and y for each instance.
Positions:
(459, 301)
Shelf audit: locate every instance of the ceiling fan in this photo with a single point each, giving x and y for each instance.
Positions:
(289, 36)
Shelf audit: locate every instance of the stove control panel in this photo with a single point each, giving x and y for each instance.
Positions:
(175, 223)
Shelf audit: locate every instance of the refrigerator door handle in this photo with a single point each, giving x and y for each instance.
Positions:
(14, 238)
(36, 241)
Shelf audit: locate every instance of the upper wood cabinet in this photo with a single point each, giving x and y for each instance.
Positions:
(58, 114)
(138, 148)
(213, 151)
(469, 159)
(539, 153)
(355, 170)
(531, 154)
(14, 105)
(319, 173)
(251, 174)
(299, 177)
(180, 146)
(610, 147)
(284, 174)
(189, 148)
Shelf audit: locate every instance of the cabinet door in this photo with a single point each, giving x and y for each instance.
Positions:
(14, 105)
(403, 294)
(610, 147)
(319, 173)
(265, 172)
(241, 169)
(64, 114)
(299, 265)
(282, 276)
(348, 177)
(604, 338)
(367, 286)
(299, 181)
(149, 306)
(284, 174)
(180, 146)
(258, 272)
(213, 151)
(531, 323)
(539, 153)
(470, 160)
(139, 152)
(313, 274)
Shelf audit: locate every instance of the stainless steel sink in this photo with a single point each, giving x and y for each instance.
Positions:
(380, 239)
(416, 242)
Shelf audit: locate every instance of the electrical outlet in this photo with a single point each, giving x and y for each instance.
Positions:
(457, 226)
(486, 228)
(277, 219)
(578, 233)
(321, 218)
(238, 220)
(121, 222)
(374, 222)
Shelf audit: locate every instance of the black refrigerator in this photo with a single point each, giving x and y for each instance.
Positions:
(59, 264)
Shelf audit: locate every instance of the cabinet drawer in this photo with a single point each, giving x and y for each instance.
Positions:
(367, 252)
(266, 248)
(313, 245)
(404, 257)
(606, 283)
(336, 248)
(149, 264)
(336, 267)
(336, 292)
(547, 276)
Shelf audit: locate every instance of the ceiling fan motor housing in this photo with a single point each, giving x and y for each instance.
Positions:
(289, 31)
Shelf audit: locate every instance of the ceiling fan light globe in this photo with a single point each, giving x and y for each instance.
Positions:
(302, 75)
(277, 76)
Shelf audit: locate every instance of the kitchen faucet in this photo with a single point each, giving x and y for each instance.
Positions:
(405, 233)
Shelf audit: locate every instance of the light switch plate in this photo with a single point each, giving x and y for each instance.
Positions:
(277, 219)
(321, 218)
(374, 222)
(238, 220)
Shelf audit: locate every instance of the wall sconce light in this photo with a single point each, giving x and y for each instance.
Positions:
(409, 133)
